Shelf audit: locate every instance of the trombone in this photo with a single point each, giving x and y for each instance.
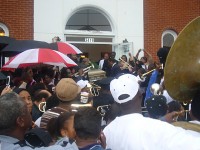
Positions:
(144, 74)
(126, 63)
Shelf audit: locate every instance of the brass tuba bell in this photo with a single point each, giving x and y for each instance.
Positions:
(182, 69)
(156, 89)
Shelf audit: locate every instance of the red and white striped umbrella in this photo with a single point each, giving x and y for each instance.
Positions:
(65, 48)
(39, 56)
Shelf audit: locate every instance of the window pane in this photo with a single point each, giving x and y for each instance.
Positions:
(2, 32)
(88, 19)
(168, 40)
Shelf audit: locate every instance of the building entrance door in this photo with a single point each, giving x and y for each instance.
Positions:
(94, 51)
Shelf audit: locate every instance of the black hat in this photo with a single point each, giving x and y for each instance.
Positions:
(104, 83)
(38, 137)
(156, 106)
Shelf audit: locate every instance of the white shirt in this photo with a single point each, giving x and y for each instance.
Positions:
(114, 64)
(145, 66)
(37, 122)
(167, 96)
(101, 62)
(135, 132)
(165, 93)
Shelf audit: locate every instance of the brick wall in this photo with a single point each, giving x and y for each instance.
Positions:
(17, 15)
(160, 15)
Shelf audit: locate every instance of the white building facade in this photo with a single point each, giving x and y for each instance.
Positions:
(94, 26)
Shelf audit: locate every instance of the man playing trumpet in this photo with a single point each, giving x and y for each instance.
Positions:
(125, 66)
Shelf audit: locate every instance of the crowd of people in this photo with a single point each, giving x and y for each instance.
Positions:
(46, 107)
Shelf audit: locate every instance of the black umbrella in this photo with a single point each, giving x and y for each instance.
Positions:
(5, 40)
(19, 46)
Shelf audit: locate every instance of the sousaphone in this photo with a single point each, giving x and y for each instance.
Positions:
(182, 69)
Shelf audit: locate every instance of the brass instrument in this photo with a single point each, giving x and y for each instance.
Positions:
(187, 125)
(156, 89)
(75, 107)
(182, 66)
(85, 70)
(143, 75)
(126, 63)
(81, 105)
(103, 109)
(93, 88)
(42, 106)
(181, 74)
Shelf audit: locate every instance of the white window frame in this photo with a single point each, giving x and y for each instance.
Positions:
(173, 33)
(4, 27)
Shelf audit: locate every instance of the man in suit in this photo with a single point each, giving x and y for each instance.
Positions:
(115, 69)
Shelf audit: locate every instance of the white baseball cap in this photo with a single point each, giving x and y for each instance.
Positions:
(124, 88)
(82, 83)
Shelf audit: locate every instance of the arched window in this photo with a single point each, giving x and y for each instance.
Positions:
(3, 30)
(88, 19)
(168, 38)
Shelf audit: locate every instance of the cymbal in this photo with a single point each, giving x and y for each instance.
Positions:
(187, 125)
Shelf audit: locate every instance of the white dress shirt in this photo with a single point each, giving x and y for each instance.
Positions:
(135, 132)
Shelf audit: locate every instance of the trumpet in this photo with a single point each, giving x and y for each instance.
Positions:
(126, 63)
(85, 70)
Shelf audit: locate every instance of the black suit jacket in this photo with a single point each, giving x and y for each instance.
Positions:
(115, 70)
